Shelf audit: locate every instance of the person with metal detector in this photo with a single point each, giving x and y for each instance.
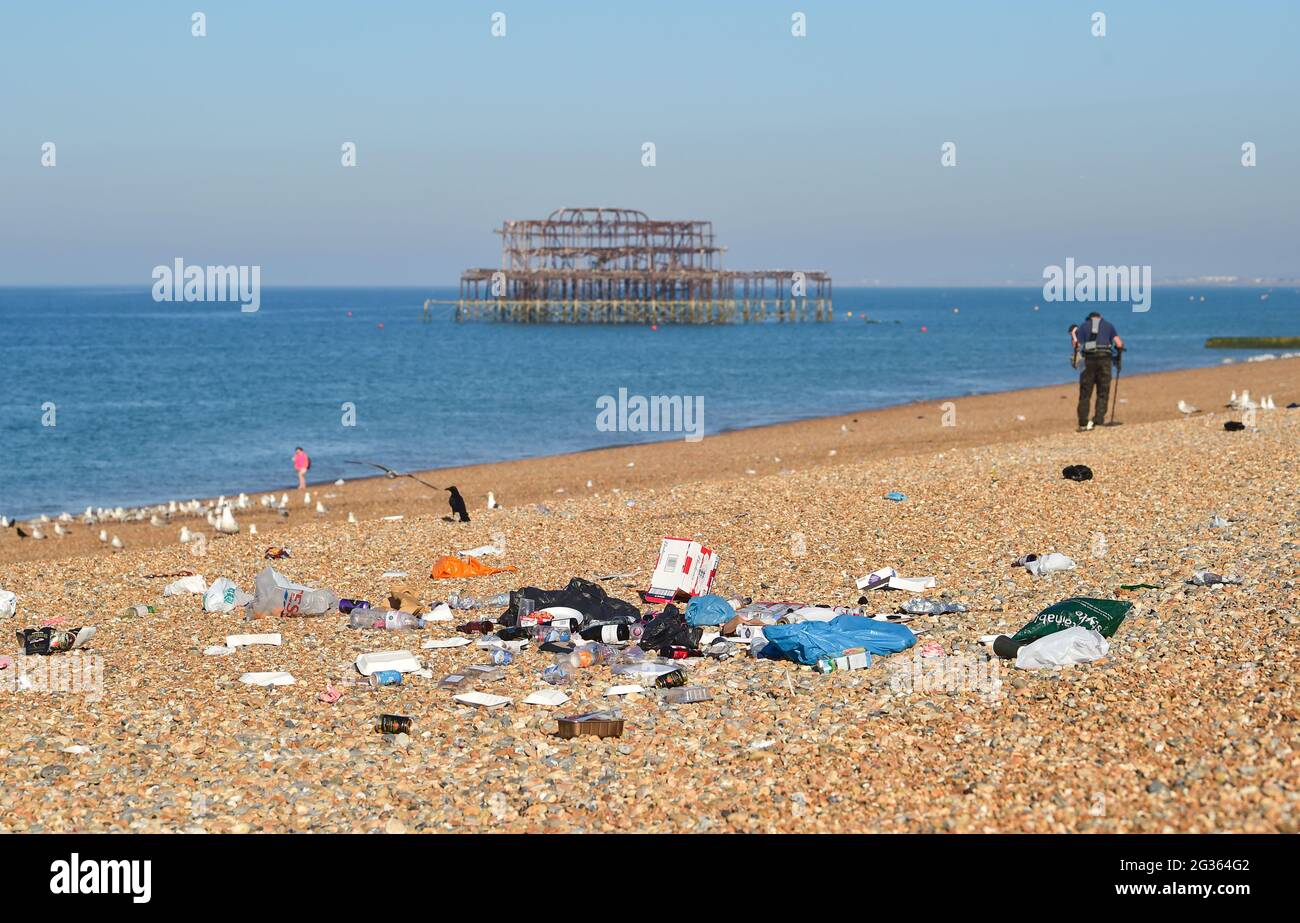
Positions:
(1100, 344)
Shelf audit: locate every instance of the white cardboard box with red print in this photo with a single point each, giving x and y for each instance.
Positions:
(684, 567)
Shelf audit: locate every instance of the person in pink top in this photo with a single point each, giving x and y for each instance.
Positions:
(300, 464)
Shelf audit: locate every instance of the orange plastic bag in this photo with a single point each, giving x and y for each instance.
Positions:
(450, 567)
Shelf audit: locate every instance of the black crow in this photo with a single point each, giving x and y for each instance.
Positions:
(458, 504)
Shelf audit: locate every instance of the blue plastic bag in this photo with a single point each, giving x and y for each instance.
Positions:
(709, 610)
(808, 642)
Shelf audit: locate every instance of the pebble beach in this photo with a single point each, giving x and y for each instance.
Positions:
(1187, 725)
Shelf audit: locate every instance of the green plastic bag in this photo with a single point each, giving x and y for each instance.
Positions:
(1103, 615)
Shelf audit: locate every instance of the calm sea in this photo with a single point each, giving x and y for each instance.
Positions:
(168, 401)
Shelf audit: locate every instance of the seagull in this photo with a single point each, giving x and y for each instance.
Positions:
(252, 528)
(116, 543)
(156, 521)
(391, 473)
(59, 530)
(352, 517)
(226, 523)
(284, 501)
(492, 502)
(5, 522)
(1267, 403)
(37, 533)
(1232, 401)
(103, 535)
(320, 507)
(186, 535)
(1185, 407)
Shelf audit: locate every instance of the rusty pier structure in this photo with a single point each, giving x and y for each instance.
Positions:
(619, 266)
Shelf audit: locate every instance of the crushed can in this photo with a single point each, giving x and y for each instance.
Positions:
(386, 678)
(670, 680)
(393, 724)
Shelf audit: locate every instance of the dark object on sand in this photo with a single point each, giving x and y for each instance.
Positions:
(457, 504)
(1005, 648)
(1077, 472)
(1233, 426)
(591, 600)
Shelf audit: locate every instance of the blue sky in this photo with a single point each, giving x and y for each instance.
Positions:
(816, 153)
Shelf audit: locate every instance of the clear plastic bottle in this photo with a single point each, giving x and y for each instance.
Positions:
(274, 594)
(559, 673)
(586, 656)
(457, 601)
(386, 619)
(630, 654)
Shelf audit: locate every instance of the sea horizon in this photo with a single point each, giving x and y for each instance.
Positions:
(171, 415)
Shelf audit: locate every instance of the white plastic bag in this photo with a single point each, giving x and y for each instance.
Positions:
(191, 584)
(811, 614)
(224, 595)
(1063, 648)
(8, 604)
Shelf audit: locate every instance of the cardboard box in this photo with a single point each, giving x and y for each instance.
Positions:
(684, 567)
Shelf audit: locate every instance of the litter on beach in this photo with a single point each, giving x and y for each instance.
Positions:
(440, 643)
(401, 661)
(272, 639)
(548, 697)
(277, 678)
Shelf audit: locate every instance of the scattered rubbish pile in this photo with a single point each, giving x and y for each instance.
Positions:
(578, 632)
